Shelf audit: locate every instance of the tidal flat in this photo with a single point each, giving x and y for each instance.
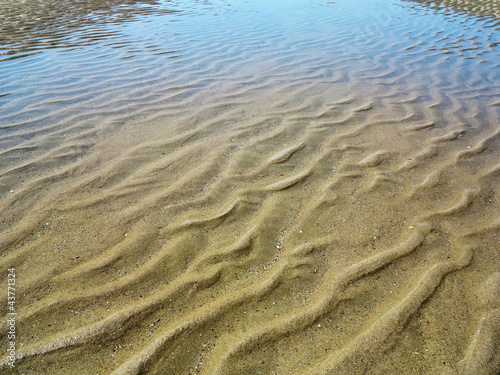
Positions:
(250, 187)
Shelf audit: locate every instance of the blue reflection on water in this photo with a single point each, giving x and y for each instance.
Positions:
(94, 52)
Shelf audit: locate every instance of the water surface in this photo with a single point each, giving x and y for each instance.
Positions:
(251, 187)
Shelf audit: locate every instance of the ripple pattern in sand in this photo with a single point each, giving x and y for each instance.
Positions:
(319, 195)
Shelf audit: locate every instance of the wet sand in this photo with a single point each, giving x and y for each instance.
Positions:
(314, 195)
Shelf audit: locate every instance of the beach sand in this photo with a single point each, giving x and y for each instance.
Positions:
(318, 208)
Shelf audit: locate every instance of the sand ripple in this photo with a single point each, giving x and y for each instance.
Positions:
(252, 189)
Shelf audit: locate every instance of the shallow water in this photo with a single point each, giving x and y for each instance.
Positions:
(251, 188)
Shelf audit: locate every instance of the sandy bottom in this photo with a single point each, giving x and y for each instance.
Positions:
(303, 211)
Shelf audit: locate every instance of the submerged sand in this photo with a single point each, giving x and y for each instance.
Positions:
(285, 214)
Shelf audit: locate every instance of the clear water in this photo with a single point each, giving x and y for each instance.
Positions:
(251, 187)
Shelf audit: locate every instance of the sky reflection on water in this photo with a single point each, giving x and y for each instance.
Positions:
(100, 46)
